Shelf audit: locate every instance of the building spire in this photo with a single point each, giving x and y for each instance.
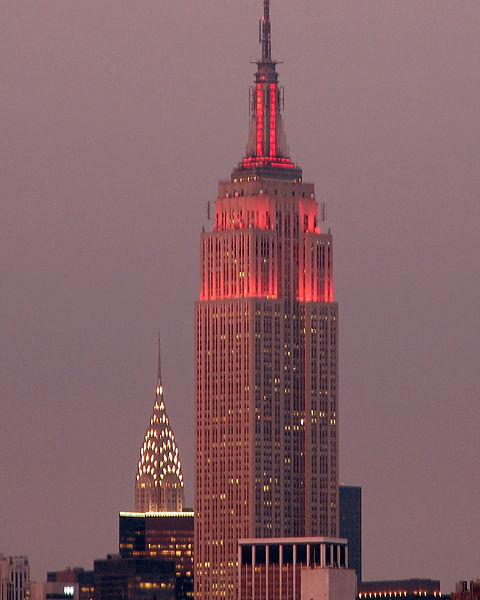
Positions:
(159, 480)
(265, 33)
(159, 368)
(267, 152)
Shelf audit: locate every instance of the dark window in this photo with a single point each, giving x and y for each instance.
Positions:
(288, 554)
(315, 554)
(274, 555)
(302, 554)
(342, 556)
(246, 555)
(260, 555)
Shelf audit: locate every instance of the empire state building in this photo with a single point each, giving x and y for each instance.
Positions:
(266, 354)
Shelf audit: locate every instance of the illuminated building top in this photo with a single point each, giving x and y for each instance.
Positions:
(159, 482)
(267, 152)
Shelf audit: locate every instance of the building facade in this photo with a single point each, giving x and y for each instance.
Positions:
(159, 481)
(71, 584)
(118, 578)
(54, 590)
(166, 536)
(14, 578)
(265, 354)
(350, 524)
(294, 569)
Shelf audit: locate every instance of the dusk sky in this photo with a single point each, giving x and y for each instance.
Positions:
(118, 119)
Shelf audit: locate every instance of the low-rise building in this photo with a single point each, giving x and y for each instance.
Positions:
(68, 584)
(310, 568)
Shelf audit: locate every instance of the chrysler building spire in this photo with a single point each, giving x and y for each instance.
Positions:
(159, 481)
(267, 152)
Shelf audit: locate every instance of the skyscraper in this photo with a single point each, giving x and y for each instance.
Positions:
(265, 352)
(159, 480)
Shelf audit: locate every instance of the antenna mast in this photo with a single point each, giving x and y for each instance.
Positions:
(265, 32)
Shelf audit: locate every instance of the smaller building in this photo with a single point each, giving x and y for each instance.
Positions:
(86, 585)
(463, 592)
(68, 584)
(350, 524)
(54, 590)
(134, 579)
(164, 535)
(310, 568)
(14, 578)
(409, 589)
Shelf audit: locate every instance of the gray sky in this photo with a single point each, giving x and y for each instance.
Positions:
(118, 120)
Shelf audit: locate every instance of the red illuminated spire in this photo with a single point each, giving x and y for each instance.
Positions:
(267, 152)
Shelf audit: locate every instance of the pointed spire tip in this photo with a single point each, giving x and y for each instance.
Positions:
(159, 369)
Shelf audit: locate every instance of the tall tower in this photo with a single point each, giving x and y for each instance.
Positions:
(159, 481)
(266, 354)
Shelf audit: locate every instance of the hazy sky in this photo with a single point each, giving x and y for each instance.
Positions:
(118, 118)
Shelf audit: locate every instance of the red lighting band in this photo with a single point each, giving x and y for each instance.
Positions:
(268, 159)
(273, 119)
(259, 119)
(283, 165)
(263, 161)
